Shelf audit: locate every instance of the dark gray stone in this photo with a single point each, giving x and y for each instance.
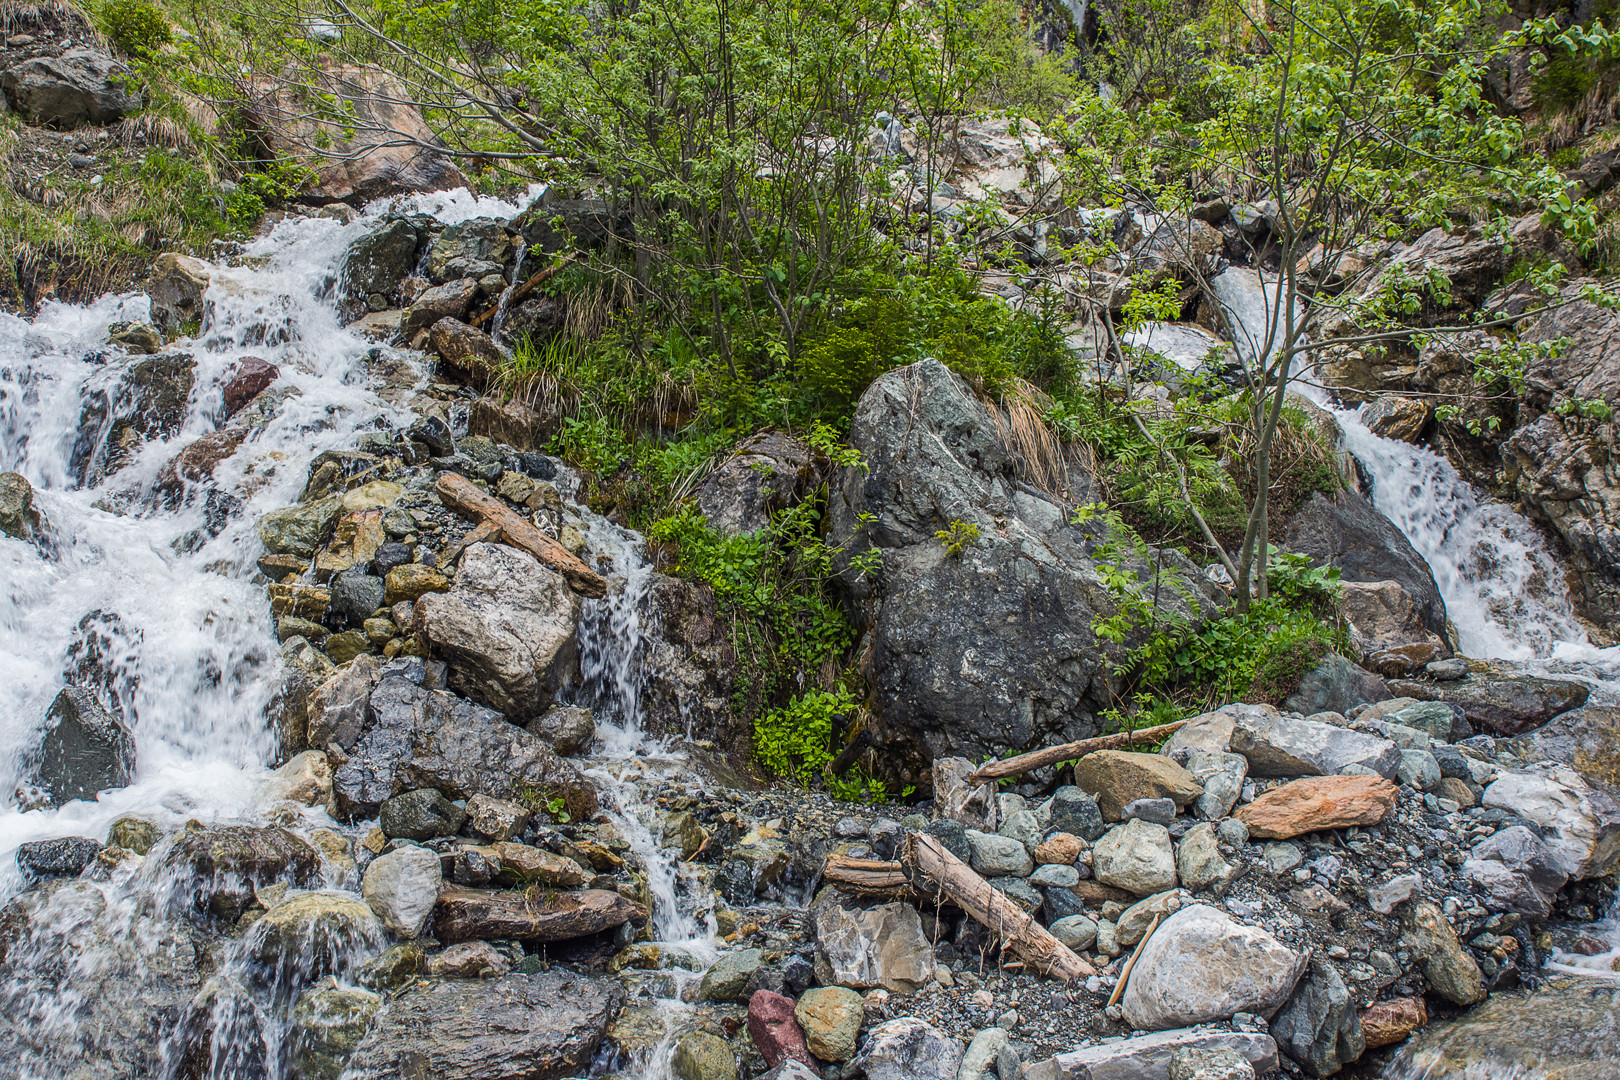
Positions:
(390, 555)
(421, 815)
(1075, 812)
(1336, 685)
(79, 87)
(356, 594)
(85, 749)
(539, 1026)
(1319, 1026)
(65, 857)
(952, 836)
(378, 261)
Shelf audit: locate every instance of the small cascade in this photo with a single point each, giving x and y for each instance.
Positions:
(522, 249)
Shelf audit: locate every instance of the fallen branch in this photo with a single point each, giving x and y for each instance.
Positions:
(867, 877)
(522, 291)
(465, 498)
(924, 856)
(1012, 766)
(1125, 972)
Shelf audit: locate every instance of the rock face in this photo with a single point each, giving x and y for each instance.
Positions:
(77, 88)
(1318, 802)
(1027, 667)
(1506, 704)
(881, 946)
(1117, 777)
(427, 738)
(507, 628)
(378, 145)
(767, 473)
(1202, 966)
(86, 749)
(1564, 1029)
(514, 1028)
(1348, 532)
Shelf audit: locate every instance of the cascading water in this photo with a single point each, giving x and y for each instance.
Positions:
(1501, 583)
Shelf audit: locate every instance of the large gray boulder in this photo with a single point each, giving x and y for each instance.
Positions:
(421, 738)
(18, 518)
(1348, 532)
(79, 87)
(1277, 745)
(507, 628)
(910, 1049)
(375, 264)
(1502, 703)
(535, 1027)
(1202, 965)
(86, 749)
(882, 946)
(401, 888)
(991, 647)
(1579, 824)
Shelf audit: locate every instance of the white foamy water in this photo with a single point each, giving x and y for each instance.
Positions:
(1504, 588)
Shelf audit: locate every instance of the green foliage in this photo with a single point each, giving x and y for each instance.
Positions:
(958, 538)
(1564, 82)
(138, 28)
(797, 741)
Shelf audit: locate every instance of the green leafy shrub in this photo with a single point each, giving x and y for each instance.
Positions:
(137, 27)
(958, 538)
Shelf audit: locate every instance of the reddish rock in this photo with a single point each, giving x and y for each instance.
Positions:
(1387, 1022)
(251, 378)
(1318, 802)
(1061, 848)
(198, 460)
(774, 1031)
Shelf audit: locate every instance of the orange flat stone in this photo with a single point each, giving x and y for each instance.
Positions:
(1318, 802)
(1387, 1022)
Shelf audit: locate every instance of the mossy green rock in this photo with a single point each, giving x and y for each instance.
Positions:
(299, 530)
(701, 1056)
(135, 834)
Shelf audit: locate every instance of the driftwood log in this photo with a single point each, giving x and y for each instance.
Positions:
(1012, 766)
(868, 877)
(536, 915)
(520, 293)
(924, 856)
(463, 496)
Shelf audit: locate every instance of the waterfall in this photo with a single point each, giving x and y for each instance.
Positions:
(1501, 582)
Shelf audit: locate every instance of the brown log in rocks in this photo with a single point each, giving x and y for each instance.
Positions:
(537, 914)
(926, 857)
(1012, 766)
(463, 496)
(867, 877)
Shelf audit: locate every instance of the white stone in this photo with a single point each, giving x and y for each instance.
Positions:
(401, 888)
(1580, 825)
(1201, 965)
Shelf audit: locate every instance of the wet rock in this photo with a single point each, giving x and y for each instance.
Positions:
(306, 779)
(18, 518)
(376, 263)
(702, 1056)
(467, 244)
(1028, 670)
(568, 728)
(394, 968)
(85, 748)
(1451, 970)
(1137, 857)
(507, 628)
(547, 1025)
(726, 979)
(401, 888)
(135, 337)
(449, 301)
(1147, 1057)
(525, 865)
(253, 376)
(66, 857)
(328, 1023)
(881, 946)
(355, 595)
(133, 834)
(348, 645)
(495, 819)
(1319, 1027)
(1585, 739)
(317, 933)
(411, 582)
(1395, 417)
(1279, 746)
(299, 530)
(1201, 965)
(910, 1049)
(1579, 824)
(176, 289)
(340, 709)
(470, 960)
(542, 916)
(421, 815)
(768, 472)
(1318, 802)
(1384, 1023)
(1501, 704)
(221, 868)
(1118, 777)
(80, 87)
(773, 1026)
(465, 347)
(1563, 1029)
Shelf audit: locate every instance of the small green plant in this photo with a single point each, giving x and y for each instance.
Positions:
(958, 538)
(795, 742)
(137, 27)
